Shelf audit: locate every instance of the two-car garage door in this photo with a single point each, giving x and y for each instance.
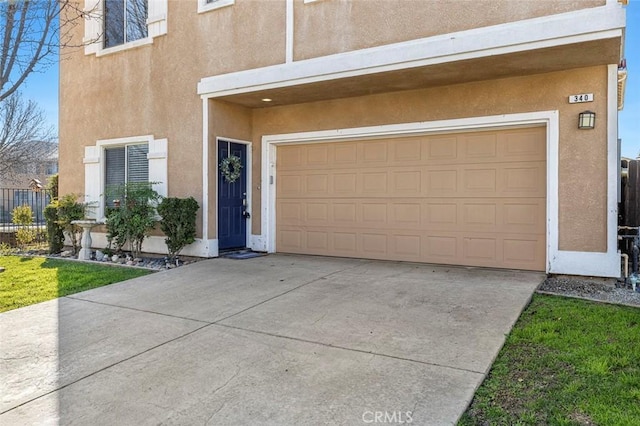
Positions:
(475, 198)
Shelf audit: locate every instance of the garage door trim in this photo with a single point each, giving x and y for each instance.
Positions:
(545, 118)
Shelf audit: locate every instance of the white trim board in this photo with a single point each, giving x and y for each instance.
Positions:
(577, 263)
(600, 264)
(599, 23)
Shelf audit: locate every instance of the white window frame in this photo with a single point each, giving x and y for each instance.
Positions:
(95, 162)
(126, 163)
(206, 6)
(94, 27)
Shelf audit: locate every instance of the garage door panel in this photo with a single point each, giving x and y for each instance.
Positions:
(291, 185)
(345, 184)
(345, 154)
(482, 217)
(406, 214)
(525, 216)
(406, 182)
(406, 150)
(442, 248)
(524, 179)
(481, 250)
(441, 214)
(440, 149)
(441, 182)
(481, 146)
(374, 214)
(522, 145)
(479, 182)
(318, 155)
(473, 199)
(374, 152)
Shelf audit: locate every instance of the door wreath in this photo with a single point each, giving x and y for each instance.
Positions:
(231, 167)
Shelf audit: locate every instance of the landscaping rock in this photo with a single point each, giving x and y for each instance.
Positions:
(66, 253)
(99, 256)
(115, 258)
(588, 289)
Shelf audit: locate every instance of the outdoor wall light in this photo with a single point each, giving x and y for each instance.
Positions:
(587, 120)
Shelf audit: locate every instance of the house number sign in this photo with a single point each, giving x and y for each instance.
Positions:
(583, 97)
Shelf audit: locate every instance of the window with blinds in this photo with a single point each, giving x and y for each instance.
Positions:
(124, 164)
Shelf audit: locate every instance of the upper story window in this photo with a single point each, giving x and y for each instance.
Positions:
(125, 21)
(206, 5)
(116, 25)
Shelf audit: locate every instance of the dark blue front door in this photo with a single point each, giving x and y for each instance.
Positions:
(232, 199)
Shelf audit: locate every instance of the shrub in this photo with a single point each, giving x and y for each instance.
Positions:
(178, 223)
(6, 249)
(25, 236)
(132, 220)
(23, 216)
(69, 209)
(52, 186)
(55, 235)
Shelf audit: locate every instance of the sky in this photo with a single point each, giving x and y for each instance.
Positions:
(42, 87)
(629, 117)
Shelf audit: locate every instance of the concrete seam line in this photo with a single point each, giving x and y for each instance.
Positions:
(328, 345)
(105, 368)
(137, 310)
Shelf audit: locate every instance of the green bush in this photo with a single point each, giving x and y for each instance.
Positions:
(22, 215)
(55, 235)
(69, 209)
(52, 186)
(25, 236)
(132, 220)
(178, 223)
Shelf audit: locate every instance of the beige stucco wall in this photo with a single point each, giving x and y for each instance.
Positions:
(152, 89)
(583, 154)
(333, 26)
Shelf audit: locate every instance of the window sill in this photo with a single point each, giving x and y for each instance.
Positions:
(126, 46)
(204, 7)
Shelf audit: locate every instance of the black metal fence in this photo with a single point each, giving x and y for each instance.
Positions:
(11, 198)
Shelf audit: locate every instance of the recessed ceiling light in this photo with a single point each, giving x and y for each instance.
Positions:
(266, 100)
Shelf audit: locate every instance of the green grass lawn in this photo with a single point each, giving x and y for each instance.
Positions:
(566, 362)
(29, 280)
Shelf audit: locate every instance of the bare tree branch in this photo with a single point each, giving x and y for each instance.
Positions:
(24, 138)
(31, 32)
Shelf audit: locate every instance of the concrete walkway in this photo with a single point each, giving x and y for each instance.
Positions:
(277, 340)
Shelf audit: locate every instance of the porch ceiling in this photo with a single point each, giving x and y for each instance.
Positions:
(578, 55)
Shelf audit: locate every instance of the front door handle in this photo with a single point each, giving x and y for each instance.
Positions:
(246, 214)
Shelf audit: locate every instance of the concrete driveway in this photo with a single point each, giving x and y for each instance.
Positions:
(278, 340)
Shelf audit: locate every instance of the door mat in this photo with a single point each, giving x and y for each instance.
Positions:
(243, 255)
